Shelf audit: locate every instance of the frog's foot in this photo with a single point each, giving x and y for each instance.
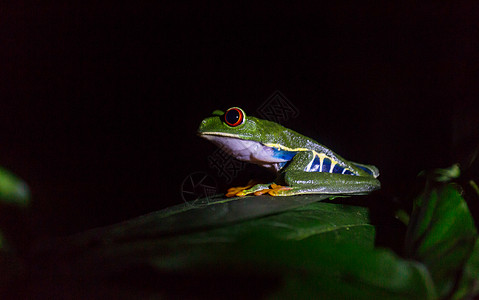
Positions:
(239, 191)
(275, 190)
(258, 189)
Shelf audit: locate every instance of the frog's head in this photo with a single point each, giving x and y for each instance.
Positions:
(233, 123)
(244, 137)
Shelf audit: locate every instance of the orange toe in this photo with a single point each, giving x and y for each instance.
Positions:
(275, 188)
(273, 191)
(238, 191)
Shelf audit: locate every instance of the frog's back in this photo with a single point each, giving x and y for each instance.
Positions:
(288, 142)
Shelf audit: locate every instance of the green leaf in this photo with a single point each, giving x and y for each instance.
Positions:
(469, 284)
(13, 191)
(311, 268)
(441, 234)
(307, 268)
(205, 213)
(315, 250)
(316, 222)
(320, 221)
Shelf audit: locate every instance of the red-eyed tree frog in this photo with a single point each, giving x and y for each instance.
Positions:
(302, 165)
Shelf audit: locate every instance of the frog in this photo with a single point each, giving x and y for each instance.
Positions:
(301, 164)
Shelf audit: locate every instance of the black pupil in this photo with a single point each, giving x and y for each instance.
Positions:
(232, 116)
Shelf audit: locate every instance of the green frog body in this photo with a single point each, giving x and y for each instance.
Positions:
(303, 166)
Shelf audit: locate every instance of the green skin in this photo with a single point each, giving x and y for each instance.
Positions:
(292, 174)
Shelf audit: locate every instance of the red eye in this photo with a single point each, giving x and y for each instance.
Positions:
(234, 116)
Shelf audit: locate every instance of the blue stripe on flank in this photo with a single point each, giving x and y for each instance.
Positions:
(283, 154)
(315, 165)
(337, 169)
(347, 172)
(367, 170)
(326, 165)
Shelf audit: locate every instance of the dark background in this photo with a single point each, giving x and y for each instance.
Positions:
(99, 103)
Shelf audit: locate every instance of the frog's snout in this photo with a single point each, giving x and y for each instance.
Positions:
(201, 127)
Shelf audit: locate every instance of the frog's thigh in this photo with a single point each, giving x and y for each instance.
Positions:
(330, 183)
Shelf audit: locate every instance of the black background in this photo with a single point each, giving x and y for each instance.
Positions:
(100, 102)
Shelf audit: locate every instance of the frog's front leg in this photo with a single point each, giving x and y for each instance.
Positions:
(302, 182)
(257, 189)
(252, 187)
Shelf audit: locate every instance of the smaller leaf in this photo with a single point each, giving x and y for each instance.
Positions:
(13, 191)
(441, 234)
(402, 216)
(442, 175)
(469, 284)
(474, 186)
(345, 271)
